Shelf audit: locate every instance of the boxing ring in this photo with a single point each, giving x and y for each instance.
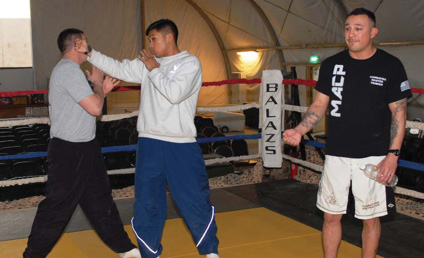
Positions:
(250, 177)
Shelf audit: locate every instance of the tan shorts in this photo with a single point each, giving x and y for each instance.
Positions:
(333, 192)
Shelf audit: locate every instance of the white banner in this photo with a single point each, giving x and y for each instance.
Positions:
(271, 118)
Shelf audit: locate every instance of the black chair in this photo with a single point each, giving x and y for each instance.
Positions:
(112, 130)
(5, 171)
(411, 148)
(43, 131)
(208, 122)
(123, 134)
(209, 131)
(46, 136)
(124, 123)
(132, 128)
(6, 134)
(20, 127)
(205, 147)
(8, 137)
(214, 145)
(133, 138)
(6, 130)
(239, 147)
(252, 117)
(133, 120)
(41, 126)
(24, 132)
(106, 125)
(410, 179)
(101, 138)
(36, 148)
(30, 141)
(114, 142)
(224, 150)
(28, 136)
(11, 150)
(27, 168)
(118, 160)
(7, 143)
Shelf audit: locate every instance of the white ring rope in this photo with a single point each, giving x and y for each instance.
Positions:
(223, 160)
(408, 192)
(228, 108)
(415, 125)
(24, 121)
(107, 118)
(23, 181)
(304, 163)
(397, 189)
(125, 171)
(42, 179)
(294, 108)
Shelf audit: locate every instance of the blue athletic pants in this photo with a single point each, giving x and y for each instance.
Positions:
(181, 165)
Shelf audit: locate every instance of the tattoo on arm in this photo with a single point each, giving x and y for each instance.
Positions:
(393, 130)
(400, 105)
(310, 119)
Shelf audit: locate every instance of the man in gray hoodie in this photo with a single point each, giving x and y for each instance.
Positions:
(167, 149)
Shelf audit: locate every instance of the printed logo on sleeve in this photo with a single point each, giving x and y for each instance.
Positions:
(376, 80)
(405, 86)
(175, 68)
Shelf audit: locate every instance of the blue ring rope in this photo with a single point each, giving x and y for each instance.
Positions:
(402, 163)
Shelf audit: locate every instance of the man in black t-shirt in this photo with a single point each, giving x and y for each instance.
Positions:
(366, 91)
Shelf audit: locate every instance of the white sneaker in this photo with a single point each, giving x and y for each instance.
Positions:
(212, 255)
(133, 253)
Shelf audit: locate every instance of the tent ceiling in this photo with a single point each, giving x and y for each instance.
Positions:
(214, 29)
(310, 21)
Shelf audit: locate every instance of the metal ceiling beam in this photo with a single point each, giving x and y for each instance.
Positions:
(217, 36)
(271, 32)
(342, 8)
(143, 24)
(338, 45)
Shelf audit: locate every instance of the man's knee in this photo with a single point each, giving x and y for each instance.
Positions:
(332, 218)
(371, 223)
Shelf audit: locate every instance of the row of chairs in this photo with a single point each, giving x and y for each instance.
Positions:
(23, 168)
(20, 139)
(116, 133)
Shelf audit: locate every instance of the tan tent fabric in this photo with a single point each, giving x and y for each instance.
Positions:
(114, 27)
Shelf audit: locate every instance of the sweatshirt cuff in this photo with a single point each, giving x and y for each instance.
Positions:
(94, 54)
(154, 72)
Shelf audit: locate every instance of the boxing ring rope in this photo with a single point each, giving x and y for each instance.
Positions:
(106, 118)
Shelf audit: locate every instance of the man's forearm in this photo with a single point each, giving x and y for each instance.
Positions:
(397, 128)
(100, 96)
(312, 117)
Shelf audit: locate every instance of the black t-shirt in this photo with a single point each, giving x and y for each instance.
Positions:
(360, 92)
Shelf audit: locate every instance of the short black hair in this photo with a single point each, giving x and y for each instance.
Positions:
(162, 25)
(66, 39)
(359, 11)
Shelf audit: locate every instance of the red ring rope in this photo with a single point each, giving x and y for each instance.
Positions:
(310, 83)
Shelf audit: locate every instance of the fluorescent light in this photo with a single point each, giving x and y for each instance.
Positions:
(248, 56)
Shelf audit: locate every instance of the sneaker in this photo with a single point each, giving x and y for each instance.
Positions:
(212, 255)
(133, 253)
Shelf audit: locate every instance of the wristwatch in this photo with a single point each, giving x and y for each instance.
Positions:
(395, 151)
(88, 50)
